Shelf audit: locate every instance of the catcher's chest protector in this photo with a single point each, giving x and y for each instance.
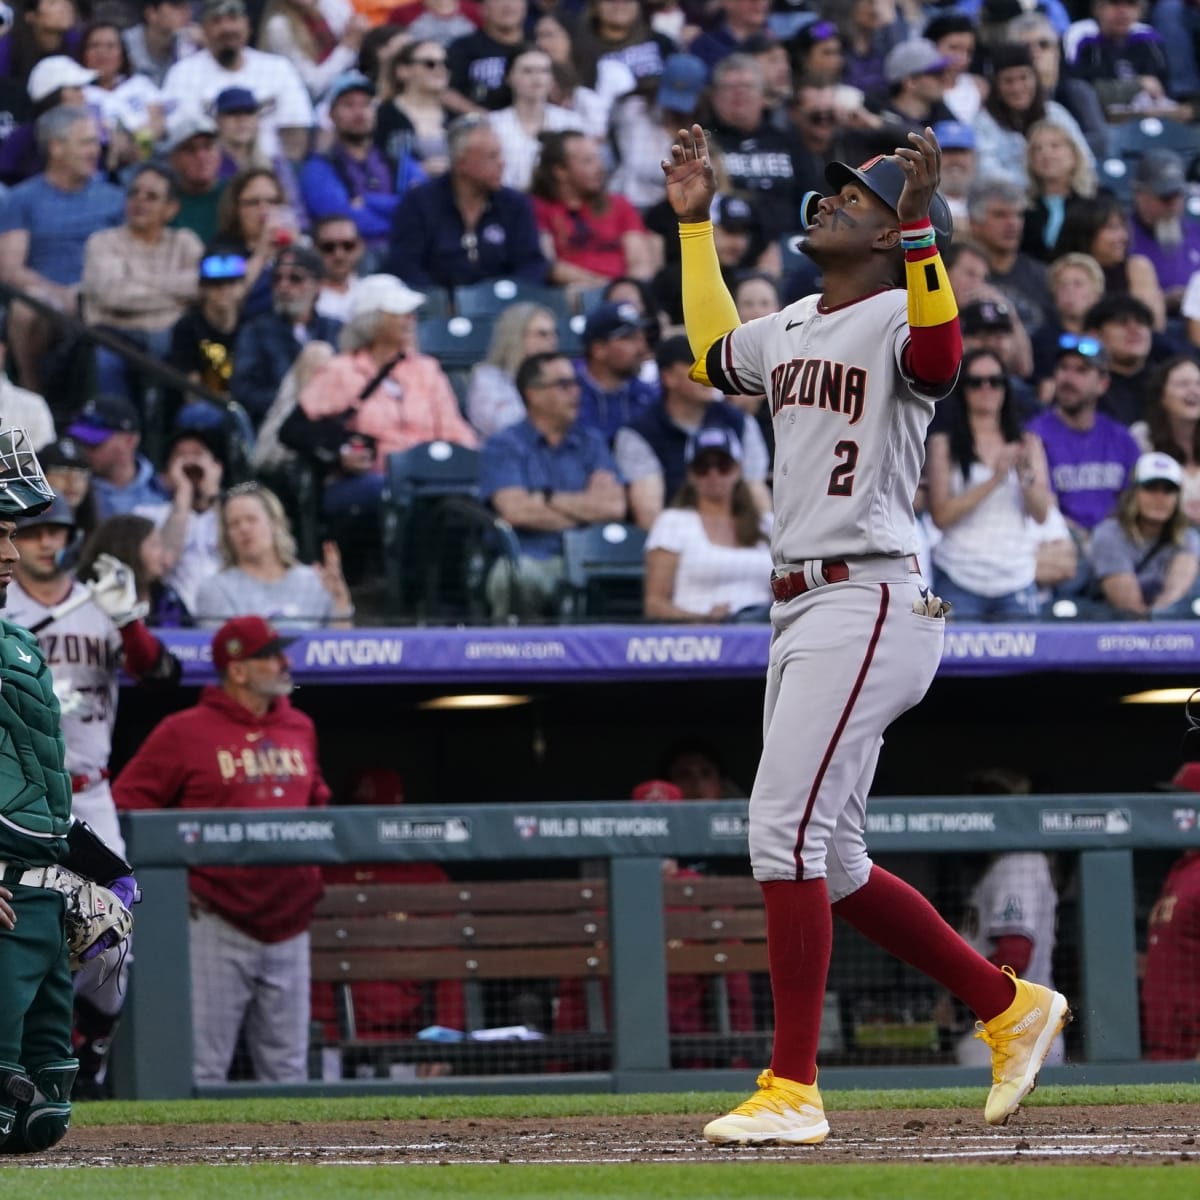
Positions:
(35, 789)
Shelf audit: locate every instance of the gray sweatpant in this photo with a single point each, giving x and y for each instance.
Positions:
(236, 979)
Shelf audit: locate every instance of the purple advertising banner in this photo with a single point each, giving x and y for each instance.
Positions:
(616, 652)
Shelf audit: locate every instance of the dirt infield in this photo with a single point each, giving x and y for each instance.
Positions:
(1142, 1134)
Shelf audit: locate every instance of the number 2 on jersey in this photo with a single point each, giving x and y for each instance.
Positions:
(841, 478)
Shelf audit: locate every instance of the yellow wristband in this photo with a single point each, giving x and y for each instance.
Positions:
(930, 296)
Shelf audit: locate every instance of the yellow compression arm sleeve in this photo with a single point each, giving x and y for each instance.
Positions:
(930, 296)
(708, 308)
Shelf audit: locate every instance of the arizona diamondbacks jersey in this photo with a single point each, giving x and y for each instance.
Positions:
(1015, 896)
(83, 651)
(849, 425)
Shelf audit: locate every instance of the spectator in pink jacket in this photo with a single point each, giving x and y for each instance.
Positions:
(386, 395)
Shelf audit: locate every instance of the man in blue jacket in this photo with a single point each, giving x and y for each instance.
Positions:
(353, 179)
(270, 343)
(464, 227)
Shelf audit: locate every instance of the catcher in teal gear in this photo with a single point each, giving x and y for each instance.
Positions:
(50, 916)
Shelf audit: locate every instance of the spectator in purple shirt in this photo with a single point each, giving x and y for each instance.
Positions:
(1090, 455)
(1159, 229)
(352, 179)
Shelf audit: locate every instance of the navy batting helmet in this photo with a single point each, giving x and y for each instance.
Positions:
(58, 512)
(884, 176)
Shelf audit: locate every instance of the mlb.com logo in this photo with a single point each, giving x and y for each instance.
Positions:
(189, 832)
(1185, 819)
(526, 827)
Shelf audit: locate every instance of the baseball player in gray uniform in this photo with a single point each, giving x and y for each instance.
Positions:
(851, 376)
(87, 632)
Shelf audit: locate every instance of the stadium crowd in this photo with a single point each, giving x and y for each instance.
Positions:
(356, 229)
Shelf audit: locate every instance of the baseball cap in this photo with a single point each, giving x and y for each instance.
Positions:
(954, 135)
(65, 453)
(303, 257)
(220, 268)
(1161, 172)
(186, 125)
(1155, 467)
(657, 791)
(673, 350)
(241, 638)
(1089, 348)
(55, 73)
(101, 417)
(917, 56)
(734, 214)
(208, 436)
(1187, 778)
(985, 316)
(57, 513)
(384, 293)
(713, 439)
(222, 8)
(610, 321)
(349, 81)
(235, 100)
(681, 83)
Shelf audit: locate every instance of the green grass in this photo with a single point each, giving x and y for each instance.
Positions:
(402, 1108)
(652, 1181)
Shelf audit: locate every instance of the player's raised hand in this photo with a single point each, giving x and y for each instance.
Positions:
(691, 184)
(922, 163)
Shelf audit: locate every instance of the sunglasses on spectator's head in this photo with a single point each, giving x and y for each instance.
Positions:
(1087, 347)
(221, 267)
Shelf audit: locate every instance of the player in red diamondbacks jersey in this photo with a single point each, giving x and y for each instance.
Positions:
(852, 377)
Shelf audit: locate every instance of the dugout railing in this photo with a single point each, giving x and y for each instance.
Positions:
(1101, 834)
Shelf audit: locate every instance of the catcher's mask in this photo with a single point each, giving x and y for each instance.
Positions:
(24, 491)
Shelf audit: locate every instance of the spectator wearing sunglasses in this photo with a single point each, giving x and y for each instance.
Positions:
(815, 120)
(1090, 455)
(269, 344)
(987, 481)
(708, 556)
(341, 249)
(543, 475)
(1145, 556)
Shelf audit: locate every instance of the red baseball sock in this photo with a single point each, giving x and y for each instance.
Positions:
(898, 918)
(799, 941)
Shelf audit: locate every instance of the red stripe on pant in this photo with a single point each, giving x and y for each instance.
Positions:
(839, 729)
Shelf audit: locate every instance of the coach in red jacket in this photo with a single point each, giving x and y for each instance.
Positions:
(243, 746)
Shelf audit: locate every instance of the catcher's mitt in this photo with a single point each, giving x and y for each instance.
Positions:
(97, 919)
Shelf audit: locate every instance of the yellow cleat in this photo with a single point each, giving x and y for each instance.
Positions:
(1019, 1039)
(781, 1112)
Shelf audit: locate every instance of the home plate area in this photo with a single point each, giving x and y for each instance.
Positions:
(1133, 1134)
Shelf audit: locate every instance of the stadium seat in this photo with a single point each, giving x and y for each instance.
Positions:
(439, 541)
(1128, 142)
(603, 572)
(437, 303)
(493, 296)
(456, 342)
(570, 335)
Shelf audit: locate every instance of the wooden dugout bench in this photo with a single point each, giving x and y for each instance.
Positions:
(538, 932)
